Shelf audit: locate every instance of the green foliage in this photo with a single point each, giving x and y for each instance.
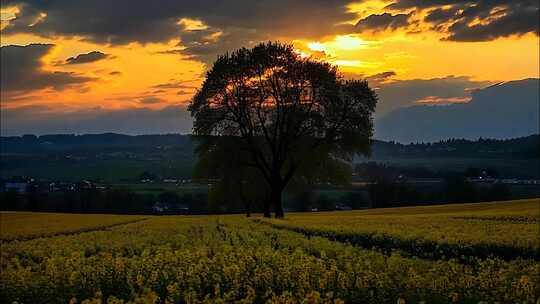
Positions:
(227, 163)
(458, 189)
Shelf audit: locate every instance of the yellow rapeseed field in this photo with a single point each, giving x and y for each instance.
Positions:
(502, 228)
(307, 258)
(27, 225)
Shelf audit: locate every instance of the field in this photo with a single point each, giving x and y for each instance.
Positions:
(28, 225)
(439, 254)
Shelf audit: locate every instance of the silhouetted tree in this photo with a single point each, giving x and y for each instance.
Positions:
(356, 200)
(225, 161)
(324, 203)
(499, 192)
(284, 107)
(169, 197)
(146, 176)
(459, 190)
(11, 200)
(33, 197)
(302, 200)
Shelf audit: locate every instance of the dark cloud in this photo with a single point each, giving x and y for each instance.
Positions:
(125, 21)
(102, 21)
(115, 73)
(227, 25)
(43, 120)
(380, 77)
(383, 22)
(477, 20)
(200, 47)
(492, 113)
(22, 70)
(88, 57)
(441, 15)
(151, 100)
(173, 85)
(402, 93)
(517, 19)
(421, 4)
(172, 52)
(182, 92)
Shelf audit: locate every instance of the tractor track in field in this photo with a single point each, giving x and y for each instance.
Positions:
(425, 249)
(505, 219)
(72, 232)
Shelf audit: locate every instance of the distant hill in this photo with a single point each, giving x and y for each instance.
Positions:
(122, 158)
(505, 110)
(91, 142)
(161, 145)
(515, 148)
(109, 157)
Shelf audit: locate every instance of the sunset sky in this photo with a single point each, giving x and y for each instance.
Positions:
(93, 66)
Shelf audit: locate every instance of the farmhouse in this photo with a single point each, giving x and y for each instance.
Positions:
(19, 187)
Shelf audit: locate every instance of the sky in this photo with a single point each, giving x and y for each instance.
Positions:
(131, 66)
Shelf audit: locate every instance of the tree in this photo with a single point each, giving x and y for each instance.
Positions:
(11, 199)
(459, 190)
(224, 160)
(289, 112)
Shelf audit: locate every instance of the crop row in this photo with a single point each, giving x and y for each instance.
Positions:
(231, 259)
(503, 230)
(422, 248)
(28, 225)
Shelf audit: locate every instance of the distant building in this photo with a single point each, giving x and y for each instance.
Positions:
(529, 182)
(160, 207)
(180, 208)
(164, 207)
(19, 187)
(509, 181)
(84, 185)
(343, 207)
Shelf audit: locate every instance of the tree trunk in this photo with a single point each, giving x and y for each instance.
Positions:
(276, 201)
(267, 207)
(248, 209)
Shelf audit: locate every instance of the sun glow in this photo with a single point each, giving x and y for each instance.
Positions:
(38, 19)
(7, 14)
(342, 50)
(350, 42)
(365, 8)
(316, 46)
(349, 63)
(192, 24)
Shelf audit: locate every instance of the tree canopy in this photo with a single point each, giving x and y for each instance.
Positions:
(293, 117)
